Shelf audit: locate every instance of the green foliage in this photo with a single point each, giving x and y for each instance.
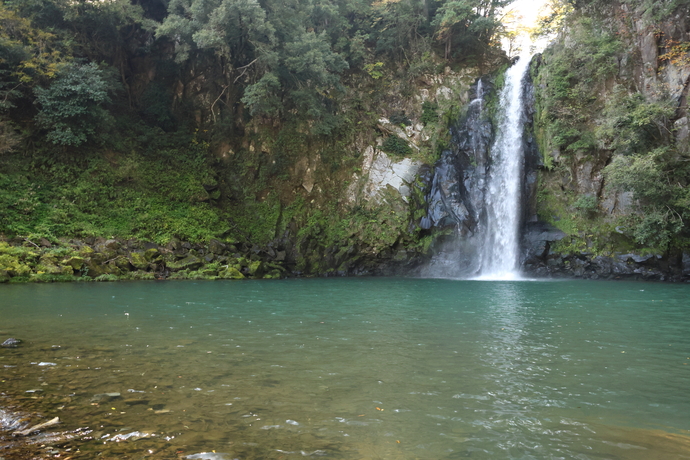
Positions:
(152, 197)
(400, 118)
(156, 102)
(568, 78)
(263, 97)
(256, 221)
(72, 106)
(468, 25)
(429, 112)
(659, 181)
(631, 124)
(374, 70)
(586, 204)
(395, 145)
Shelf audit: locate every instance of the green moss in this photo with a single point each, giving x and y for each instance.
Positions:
(231, 273)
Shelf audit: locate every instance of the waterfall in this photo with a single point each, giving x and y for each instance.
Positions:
(503, 197)
(476, 191)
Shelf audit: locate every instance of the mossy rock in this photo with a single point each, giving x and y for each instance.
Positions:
(231, 273)
(256, 269)
(98, 257)
(48, 259)
(273, 275)
(93, 268)
(188, 263)
(112, 269)
(280, 268)
(4, 276)
(151, 254)
(122, 263)
(138, 260)
(209, 272)
(75, 262)
(216, 247)
(243, 262)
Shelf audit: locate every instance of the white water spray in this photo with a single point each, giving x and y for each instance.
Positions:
(500, 256)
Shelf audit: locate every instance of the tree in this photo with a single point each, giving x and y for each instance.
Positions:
(469, 25)
(72, 107)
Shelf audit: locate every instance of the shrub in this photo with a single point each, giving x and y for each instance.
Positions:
(395, 145)
(429, 112)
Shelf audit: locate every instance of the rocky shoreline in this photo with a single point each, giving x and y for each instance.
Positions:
(101, 259)
(543, 260)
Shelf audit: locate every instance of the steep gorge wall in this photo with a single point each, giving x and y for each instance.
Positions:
(611, 96)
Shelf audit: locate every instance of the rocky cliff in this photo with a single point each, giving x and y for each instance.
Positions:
(611, 122)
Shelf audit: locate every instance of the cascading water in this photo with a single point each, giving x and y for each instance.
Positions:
(503, 197)
(478, 185)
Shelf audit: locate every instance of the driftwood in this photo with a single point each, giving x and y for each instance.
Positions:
(38, 427)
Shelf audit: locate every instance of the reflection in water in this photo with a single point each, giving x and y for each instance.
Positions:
(353, 369)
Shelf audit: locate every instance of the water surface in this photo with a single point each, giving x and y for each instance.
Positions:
(369, 368)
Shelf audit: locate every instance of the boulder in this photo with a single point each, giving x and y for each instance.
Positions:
(122, 263)
(94, 267)
(76, 263)
(273, 275)
(113, 245)
(256, 269)
(138, 260)
(188, 263)
(151, 254)
(216, 247)
(231, 273)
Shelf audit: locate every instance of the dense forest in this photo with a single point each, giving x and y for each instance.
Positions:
(184, 120)
(250, 123)
(89, 84)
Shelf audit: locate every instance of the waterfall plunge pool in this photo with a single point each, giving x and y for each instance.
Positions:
(358, 368)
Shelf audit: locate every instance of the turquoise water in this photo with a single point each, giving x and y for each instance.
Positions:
(368, 368)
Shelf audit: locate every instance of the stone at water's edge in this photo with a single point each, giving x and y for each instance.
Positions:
(11, 343)
(75, 262)
(188, 263)
(231, 273)
(539, 259)
(138, 260)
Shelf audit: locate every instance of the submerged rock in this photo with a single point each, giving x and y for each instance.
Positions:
(11, 343)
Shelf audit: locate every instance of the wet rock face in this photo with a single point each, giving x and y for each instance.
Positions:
(457, 193)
